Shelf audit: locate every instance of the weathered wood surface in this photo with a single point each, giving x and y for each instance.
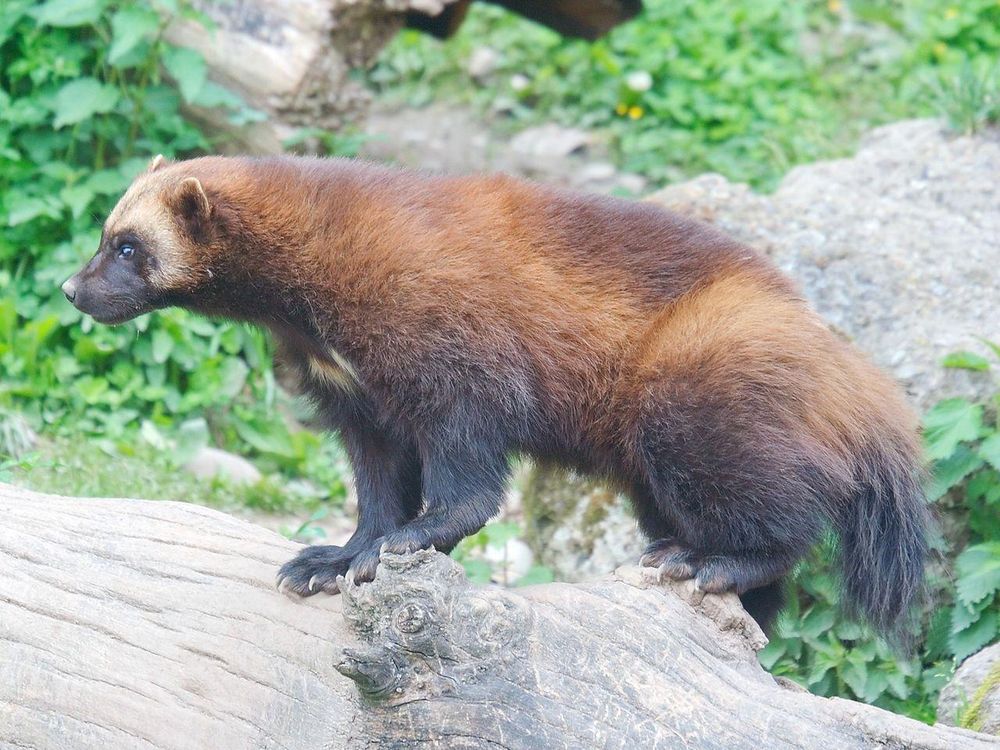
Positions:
(128, 623)
(291, 60)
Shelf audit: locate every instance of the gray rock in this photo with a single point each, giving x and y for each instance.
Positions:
(482, 63)
(897, 247)
(972, 697)
(579, 528)
(209, 463)
(549, 140)
(456, 140)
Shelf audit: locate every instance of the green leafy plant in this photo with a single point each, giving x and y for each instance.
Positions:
(484, 555)
(746, 88)
(90, 90)
(308, 530)
(969, 98)
(963, 440)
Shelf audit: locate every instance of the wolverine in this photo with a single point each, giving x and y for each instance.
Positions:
(444, 325)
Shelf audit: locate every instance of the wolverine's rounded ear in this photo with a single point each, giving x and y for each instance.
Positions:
(191, 204)
(192, 201)
(157, 162)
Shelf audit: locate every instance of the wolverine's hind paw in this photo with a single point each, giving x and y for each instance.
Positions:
(671, 559)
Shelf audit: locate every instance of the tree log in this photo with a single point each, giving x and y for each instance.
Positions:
(130, 623)
(291, 60)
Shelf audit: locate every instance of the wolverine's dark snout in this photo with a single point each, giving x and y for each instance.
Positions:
(111, 288)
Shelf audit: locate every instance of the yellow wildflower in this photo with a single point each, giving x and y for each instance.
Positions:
(621, 109)
(834, 6)
(951, 13)
(940, 49)
(635, 112)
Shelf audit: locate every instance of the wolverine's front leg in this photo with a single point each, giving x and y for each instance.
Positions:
(463, 488)
(387, 482)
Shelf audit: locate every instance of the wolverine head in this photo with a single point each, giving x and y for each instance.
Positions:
(152, 251)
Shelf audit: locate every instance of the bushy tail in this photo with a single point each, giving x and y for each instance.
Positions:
(883, 541)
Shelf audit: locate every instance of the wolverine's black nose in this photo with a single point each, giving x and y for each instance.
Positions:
(69, 289)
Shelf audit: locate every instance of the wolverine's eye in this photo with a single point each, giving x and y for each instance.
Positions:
(125, 251)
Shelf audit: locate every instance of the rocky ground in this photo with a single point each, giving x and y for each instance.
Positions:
(455, 140)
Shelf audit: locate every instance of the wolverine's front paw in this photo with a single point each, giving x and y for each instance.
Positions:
(313, 570)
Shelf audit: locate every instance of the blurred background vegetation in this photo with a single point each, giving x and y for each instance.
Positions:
(90, 90)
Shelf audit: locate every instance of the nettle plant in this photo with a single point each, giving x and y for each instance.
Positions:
(963, 441)
(90, 90)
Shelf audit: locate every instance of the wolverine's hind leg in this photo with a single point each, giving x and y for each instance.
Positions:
(742, 497)
(668, 553)
(671, 558)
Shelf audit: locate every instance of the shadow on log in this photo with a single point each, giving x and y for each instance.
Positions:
(128, 623)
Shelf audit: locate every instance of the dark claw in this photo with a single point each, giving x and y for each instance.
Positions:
(313, 570)
(363, 566)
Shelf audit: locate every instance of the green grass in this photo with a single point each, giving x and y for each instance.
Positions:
(80, 467)
(747, 88)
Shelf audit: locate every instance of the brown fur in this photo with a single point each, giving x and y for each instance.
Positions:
(475, 317)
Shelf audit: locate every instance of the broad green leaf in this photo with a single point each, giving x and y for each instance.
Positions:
(963, 615)
(499, 533)
(187, 67)
(92, 388)
(192, 436)
(966, 361)
(76, 198)
(536, 574)
(214, 95)
(106, 182)
(936, 643)
(855, 674)
(163, 344)
(82, 98)
(849, 631)
(152, 435)
(817, 622)
(129, 27)
(969, 641)
(11, 11)
(951, 470)
(990, 450)
(978, 570)
(23, 208)
(984, 486)
(772, 652)
(271, 441)
(949, 423)
(897, 684)
(477, 571)
(821, 665)
(232, 376)
(68, 12)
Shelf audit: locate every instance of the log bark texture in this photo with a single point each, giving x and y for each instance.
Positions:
(128, 623)
(291, 60)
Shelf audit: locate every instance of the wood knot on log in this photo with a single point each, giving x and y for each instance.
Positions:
(427, 631)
